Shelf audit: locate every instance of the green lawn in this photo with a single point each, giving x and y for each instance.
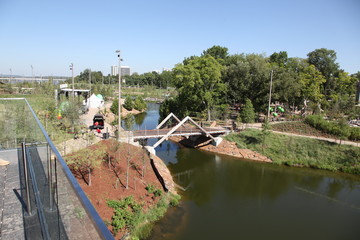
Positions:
(300, 151)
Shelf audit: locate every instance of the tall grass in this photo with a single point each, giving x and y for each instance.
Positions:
(299, 151)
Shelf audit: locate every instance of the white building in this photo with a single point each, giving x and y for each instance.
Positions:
(125, 70)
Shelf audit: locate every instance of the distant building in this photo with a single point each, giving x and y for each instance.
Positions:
(114, 70)
(125, 70)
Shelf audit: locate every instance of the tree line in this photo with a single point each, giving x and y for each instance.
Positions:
(209, 84)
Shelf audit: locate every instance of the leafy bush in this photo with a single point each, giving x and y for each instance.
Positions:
(128, 213)
(150, 188)
(139, 103)
(129, 104)
(115, 106)
(157, 193)
(338, 128)
(354, 133)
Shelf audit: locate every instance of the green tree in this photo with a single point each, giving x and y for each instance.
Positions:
(139, 103)
(325, 61)
(199, 84)
(85, 161)
(286, 86)
(217, 52)
(265, 132)
(166, 79)
(71, 112)
(128, 104)
(280, 58)
(248, 76)
(311, 81)
(115, 106)
(247, 112)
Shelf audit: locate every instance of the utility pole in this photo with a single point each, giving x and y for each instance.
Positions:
(72, 73)
(268, 113)
(119, 103)
(90, 78)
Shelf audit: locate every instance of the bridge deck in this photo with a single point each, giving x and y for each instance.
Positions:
(157, 133)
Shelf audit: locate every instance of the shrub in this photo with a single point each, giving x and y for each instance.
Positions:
(174, 199)
(115, 106)
(150, 188)
(354, 133)
(339, 128)
(139, 103)
(157, 193)
(129, 104)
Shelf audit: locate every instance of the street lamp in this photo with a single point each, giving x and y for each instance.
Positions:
(72, 72)
(119, 103)
(90, 79)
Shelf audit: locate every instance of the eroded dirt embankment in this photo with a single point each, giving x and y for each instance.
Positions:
(225, 147)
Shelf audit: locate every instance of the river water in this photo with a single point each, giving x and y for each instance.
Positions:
(228, 198)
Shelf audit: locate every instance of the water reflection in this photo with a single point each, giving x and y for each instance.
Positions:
(228, 198)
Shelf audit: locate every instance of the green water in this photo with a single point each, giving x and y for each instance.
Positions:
(228, 198)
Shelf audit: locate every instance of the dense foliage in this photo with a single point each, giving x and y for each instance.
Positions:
(336, 128)
(315, 84)
(128, 104)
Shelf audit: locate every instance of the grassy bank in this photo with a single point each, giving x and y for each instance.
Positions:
(129, 214)
(299, 151)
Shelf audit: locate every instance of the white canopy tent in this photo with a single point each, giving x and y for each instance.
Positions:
(94, 102)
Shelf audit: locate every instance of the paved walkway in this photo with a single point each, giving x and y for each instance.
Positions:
(12, 226)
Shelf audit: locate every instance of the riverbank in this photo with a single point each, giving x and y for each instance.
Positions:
(283, 149)
(299, 151)
(226, 148)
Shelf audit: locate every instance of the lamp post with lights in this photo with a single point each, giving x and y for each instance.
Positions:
(119, 103)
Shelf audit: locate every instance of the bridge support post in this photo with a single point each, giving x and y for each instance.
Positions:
(216, 142)
(150, 149)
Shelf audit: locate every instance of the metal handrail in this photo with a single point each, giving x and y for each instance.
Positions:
(98, 222)
(94, 216)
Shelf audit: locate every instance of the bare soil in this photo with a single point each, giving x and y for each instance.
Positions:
(109, 182)
(225, 148)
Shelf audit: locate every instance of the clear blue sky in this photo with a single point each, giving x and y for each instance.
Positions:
(158, 34)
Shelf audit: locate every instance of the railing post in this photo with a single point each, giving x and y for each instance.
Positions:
(50, 178)
(26, 176)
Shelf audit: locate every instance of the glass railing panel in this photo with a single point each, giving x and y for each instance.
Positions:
(66, 212)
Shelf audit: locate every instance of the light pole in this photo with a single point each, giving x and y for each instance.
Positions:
(10, 75)
(268, 113)
(72, 72)
(90, 78)
(119, 103)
